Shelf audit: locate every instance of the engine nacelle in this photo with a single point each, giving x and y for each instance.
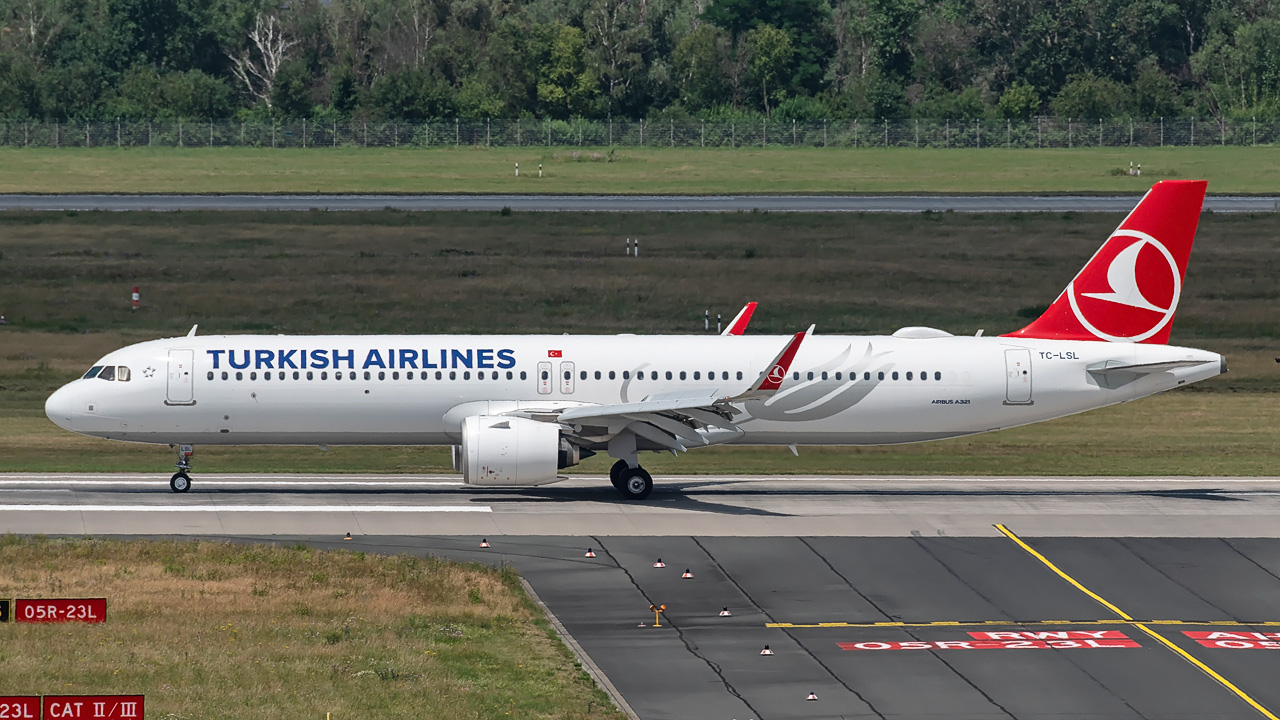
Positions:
(500, 451)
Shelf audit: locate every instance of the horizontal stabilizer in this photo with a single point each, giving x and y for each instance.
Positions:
(1116, 366)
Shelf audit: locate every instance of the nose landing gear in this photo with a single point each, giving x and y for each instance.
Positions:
(181, 481)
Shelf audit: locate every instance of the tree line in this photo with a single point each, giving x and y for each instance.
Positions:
(635, 59)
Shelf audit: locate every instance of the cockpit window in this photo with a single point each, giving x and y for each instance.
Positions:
(123, 374)
(108, 373)
(93, 372)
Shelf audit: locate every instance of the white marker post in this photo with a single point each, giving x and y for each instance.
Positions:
(517, 169)
(706, 320)
(628, 247)
(637, 248)
(137, 297)
(539, 169)
(717, 323)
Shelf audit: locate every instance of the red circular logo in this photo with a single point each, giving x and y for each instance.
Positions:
(1129, 291)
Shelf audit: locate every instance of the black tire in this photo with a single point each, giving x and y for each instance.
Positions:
(180, 482)
(636, 484)
(615, 473)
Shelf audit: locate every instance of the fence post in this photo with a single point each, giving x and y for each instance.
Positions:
(1099, 132)
(824, 132)
(977, 126)
(641, 133)
(117, 132)
(304, 132)
(733, 130)
(57, 134)
(1161, 131)
(764, 135)
(86, 135)
(947, 137)
(487, 131)
(549, 133)
(1130, 132)
(520, 132)
(210, 133)
(273, 132)
(1222, 130)
(673, 133)
(148, 133)
(703, 135)
(26, 134)
(1071, 141)
(855, 132)
(180, 142)
(335, 133)
(1193, 132)
(793, 132)
(917, 133)
(1039, 130)
(1255, 131)
(1008, 133)
(886, 131)
(241, 133)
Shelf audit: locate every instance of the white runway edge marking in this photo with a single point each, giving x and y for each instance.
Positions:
(249, 508)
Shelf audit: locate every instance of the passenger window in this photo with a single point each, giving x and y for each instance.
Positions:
(210, 375)
(908, 376)
(626, 374)
(123, 374)
(924, 376)
(368, 375)
(239, 375)
(582, 375)
(880, 375)
(810, 374)
(466, 374)
(394, 376)
(824, 376)
(682, 375)
(739, 374)
(93, 372)
(838, 376)
(439, 375)
(351, 375)
(510, 375)
(612, 376)
(281, 374)
(668, 374)
(795, 375)
(266, 376)
(253, 376)
(108, 373)
(545, 375)
(224, 374)
(522, 376)
(337, 376)
(937, 376)
(453, 374)
(697, 375)
(423, 376)
(653, 375)
(597, 374)
(725, 375)
(895, 374)
(296, 375)
(567, 375)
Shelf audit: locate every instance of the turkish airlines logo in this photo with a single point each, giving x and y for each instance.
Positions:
(777, 374)
(1129, 291)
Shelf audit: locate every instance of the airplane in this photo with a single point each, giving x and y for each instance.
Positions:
(517, 409)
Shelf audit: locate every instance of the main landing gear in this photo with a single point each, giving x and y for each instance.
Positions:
(181, 481)
(635, 483)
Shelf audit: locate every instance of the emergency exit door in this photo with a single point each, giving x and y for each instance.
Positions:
(1017, 367)
(180, 376)
(544, 378)
(566, 378)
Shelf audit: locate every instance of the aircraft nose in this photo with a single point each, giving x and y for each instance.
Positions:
(60, 406)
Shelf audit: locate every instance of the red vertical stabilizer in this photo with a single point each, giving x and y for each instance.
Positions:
(1129, 290)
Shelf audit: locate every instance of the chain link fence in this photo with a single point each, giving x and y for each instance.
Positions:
(1036, 133)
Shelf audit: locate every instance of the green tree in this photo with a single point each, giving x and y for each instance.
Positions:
(771, 55)
(1019, 101)
(1088, 96)
(699, 63)
(291, 92)
(806, 22)
(567, 86)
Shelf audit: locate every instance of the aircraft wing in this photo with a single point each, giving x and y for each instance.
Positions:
(677, 420)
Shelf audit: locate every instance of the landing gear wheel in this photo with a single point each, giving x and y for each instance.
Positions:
(615, 473)
(636, 484)
(180, 482)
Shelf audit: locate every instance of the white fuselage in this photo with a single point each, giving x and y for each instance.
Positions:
(416, 389)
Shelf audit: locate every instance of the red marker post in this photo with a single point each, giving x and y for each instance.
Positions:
(137, 297)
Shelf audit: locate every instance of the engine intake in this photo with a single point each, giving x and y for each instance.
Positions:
(498, 451)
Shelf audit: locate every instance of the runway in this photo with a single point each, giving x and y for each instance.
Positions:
(621, 203)
(884, 597)
(716, 506)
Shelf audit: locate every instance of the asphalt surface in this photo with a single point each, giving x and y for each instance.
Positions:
(618, 203)
(875, 563)
(723, 506)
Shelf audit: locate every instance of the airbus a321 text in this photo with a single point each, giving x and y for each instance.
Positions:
(518, 408)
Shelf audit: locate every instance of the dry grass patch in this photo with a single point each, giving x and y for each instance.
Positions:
(212, 630)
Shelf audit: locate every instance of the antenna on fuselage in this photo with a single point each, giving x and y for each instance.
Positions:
(193, 330)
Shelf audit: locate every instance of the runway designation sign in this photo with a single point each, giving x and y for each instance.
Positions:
(88, 610)
(1239, 640)
(1010, 640)
(20, 707)
(93, 707)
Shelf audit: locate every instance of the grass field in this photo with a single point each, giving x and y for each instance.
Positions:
(632, 170)
(65, 282)
(212, 630)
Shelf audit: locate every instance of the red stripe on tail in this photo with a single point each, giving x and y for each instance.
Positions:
(1129, 289)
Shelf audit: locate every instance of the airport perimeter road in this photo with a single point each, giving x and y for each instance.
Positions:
(711, 506)
(618, 203)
